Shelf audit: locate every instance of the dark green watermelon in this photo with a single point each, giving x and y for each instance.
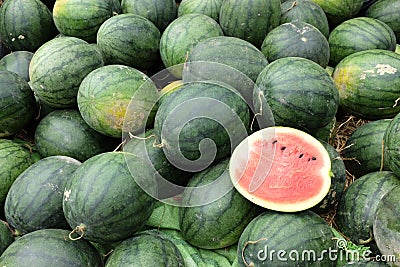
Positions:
(209, 8)
(391, 140)
(34, 200)
(17, 62)
(338, 11)
(6, 236)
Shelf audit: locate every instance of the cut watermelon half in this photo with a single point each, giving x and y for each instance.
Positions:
(282, 169)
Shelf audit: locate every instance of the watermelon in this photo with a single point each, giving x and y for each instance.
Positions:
(391, 141)
(386, 11)
(359, 34)
(209, 8)
(58, 67)
(6, 236)
(14, 159)
(296, 39)
(250, 20)
(81, 18)
(338, 11)
(64, 132)
(129, 39)
(369, 83)
(45, 180)
(201, 110)
(50, 247)
(386, 227)
(327, 133)
(103, 201)
(26, 24)
(17, 62)
(299, 92)
(338, 181)
(4, 50)
(286, 239)
(147, 248)
(306, 11)
(363, 149)
(116, 98)
(160, 12)
(231, 51)
(294, 174)
(183, 34)
(357, 207)
(17, 103)
(220, 221)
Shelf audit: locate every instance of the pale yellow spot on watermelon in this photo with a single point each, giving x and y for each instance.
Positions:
(383, 69)
(67, 194)
(345, 79)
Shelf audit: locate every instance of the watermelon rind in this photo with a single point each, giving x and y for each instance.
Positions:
(391, 141)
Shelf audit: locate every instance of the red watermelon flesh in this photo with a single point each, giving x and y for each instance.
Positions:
(281, 168)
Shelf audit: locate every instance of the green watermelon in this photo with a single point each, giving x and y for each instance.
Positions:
(17, 62)
(58, 67)
(369, 84)
(14, 159)
(391, 141)
(130, 40)
(306, 11)
(81, 18)
(250, 20)
(365, 264)
(386, 227)
(183, 34)
(338, 11)
(147, 248)
(34, 200)
(386, 11)
(103, 201)
(299, 92)
(6, 236)
(296, 39)
(209, 8)
(197, 111)
(282, 169)
(359, 34)
(116, 98)
(160, 12)
(328, 132)
(25, 24)
(356, 210)
(286, 239)
(17, 103)
(50, 247)
(64, 132)
(363, 148)
(219, 222)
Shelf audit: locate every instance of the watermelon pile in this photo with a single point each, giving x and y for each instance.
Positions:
(210, 133)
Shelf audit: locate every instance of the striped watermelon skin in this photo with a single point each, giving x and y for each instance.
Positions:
(138, 49)
(161, 13)
(338, 11)
(6, 236)
(386, 11)
(357, 207)
(121, 100)
(64, 132)
(50, 247)
(34, 200)
(17, 103)
(81, 18)
(296, 39)
(250, 20)
(58, 67)
(273, 231)
(14, 159)
(363, 150)
(369, 83)
(306, 11)
(231, 51)
(147, 248)
(26, 24)
(359, 34)
(300, 93)
(17, 62)
(218, 224)
(104, 199)
(391, 141)
(209, 8)
(183, 34)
